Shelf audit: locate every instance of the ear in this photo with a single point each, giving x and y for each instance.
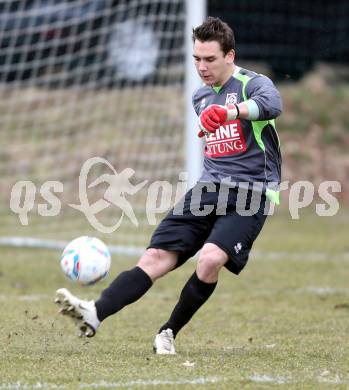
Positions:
(230, 57)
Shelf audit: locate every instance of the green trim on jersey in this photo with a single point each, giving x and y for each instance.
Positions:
(217, 89)
(273, 196)
(258, 127)
(244, 79)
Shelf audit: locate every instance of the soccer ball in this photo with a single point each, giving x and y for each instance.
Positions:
(86, 260)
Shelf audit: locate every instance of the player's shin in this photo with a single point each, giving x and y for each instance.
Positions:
(194, 294)
(126, 288)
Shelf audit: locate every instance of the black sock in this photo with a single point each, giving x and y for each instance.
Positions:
(194, 294)
(126, 288)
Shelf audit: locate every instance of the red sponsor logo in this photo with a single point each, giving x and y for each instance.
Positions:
(226, 141)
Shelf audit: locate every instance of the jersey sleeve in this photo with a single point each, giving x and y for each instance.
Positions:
(196, 101)
(262, 90)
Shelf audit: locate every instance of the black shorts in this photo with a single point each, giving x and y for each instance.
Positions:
(189, 225)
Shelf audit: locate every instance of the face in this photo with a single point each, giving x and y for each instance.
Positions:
(212, 65)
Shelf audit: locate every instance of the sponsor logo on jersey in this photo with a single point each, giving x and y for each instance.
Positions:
(231, 99)
(226, 141)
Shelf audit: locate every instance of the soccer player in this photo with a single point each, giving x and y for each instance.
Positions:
(236, 109)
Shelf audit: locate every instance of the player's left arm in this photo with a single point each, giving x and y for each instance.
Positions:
(263, 100)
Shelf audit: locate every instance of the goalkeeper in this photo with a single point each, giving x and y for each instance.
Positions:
(236, 109)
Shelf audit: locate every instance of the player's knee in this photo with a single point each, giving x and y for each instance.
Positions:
(211, 259)
(157, 262)
(150, 258)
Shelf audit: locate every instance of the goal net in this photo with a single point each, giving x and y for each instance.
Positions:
(91, 111)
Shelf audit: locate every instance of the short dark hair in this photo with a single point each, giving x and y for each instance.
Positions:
(214, 29)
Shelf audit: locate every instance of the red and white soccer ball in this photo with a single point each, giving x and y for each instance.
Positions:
(86, 260)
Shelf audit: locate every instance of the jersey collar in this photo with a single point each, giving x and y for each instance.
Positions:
(236, 71)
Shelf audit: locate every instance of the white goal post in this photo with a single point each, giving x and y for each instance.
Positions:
(108, 80)
(196, 13)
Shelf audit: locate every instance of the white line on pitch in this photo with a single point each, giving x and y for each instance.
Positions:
(139, 382)
(103, 384)
(31, 242)
(282, 379)
(322, 290)
(269, 379)
(26, 298)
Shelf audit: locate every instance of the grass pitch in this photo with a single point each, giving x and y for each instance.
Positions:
(284, 322)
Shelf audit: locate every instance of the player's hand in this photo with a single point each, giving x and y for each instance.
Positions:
(214, 116)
